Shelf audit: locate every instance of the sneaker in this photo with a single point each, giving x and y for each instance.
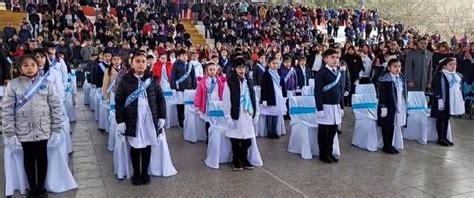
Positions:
(247, 165)
(136, 180)
(237, 167)
(146, 179)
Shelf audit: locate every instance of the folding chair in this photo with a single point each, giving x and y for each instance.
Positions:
(194, 127)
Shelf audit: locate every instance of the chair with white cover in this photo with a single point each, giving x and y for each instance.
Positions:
(417, 120)
(304, 131)
(112, 129)
(58, 177)
(86, 87)
(171, 113)
(194, 127)
(261, 126)
(307, 91)
(68, 101)
(160, 159)
(103, 114)
(365, 89)
(219, 148)
(365, 134)
(67, 134)
(92, 93)
(97, 101)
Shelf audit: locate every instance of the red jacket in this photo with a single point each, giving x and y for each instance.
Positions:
(201, 91)
(157, 69)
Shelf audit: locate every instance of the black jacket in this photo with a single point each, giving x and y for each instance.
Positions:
(257, 74)
(156, 102)
(98, 74)
(299, 76)
(387, 95)
(440, 93)
(332, 96)
(267, 89)
(179, 69)
(234, 88)
(5, 70)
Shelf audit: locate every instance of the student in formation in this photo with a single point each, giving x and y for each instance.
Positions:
(162, 66)
(197, 66)
(140, 112)
(392, 110)
(259, 68)
(182, 77)
(31, 99)
(110, 77)
(101, 68)
(328, 93)
(241, 112)
(150, 61)
(210, 88)
(273, 93)
(447, 97)
(288, 74)
(303, 73)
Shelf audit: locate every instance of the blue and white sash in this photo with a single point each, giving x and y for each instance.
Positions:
(31, 91)
(245, 101)
(185, 76)
(111, 86)
(334, 83)
(275, 77)
(261, 67)
(102, 67)
(135, 94)
(164, 74)
(290, 74)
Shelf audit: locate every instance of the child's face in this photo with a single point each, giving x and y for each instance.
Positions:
(139, 64)
(287, 64)
(241, 71)
(262, 59)
(274, 65)
(451, 66)
(151, 61)
(107, 57)
(116, 60)
(302, 62)
(332, 60)
(183, 57)
(40, 59)
(29, 68)
(163, 59)
(194, 57)
(211, 70)
(395, 68)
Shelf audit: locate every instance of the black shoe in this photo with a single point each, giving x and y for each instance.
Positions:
(443, 142)
(333, 158)
(388, 150)
(136, 180)
(237, 166)
(394, 149)
(31, 194)
(146, 179)
(180, 126)
(43, 194)
(247, 165)
(450, 143)
(326, 159)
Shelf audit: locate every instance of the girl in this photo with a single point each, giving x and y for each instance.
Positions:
(31, 99)
(272, 99)
(162, 67)
(367, 60)
(392, 111)
(240, 112)
(110, 76)
(194, 62)
(140, 112)
(448, 98)
(209, 88)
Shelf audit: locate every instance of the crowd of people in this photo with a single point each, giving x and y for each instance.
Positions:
(143, 50)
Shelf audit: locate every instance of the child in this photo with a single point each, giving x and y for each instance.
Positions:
(101, 68)
(329, 104)
(31, 99)
(150, 60)
(259, 68)
(196, 65)
(182, 77)
(392, 111)
(288, 74)
(140, 112)
(272, 97)
(56, 62)
(240, 111)
(110, 77)
(162, 66)
(209, 88)
(303, 73)
(448, 99)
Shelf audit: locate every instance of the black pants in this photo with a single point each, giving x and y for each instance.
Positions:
(35, 160)
(271, 122)
(364, 80)
(387, 135)
(180, 109)
(240, 149)
(140, 157)
(442, 128)
(326, 134)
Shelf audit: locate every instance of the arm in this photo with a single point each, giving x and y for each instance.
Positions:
(160, 101)
(436, 86)
(264, 86)
(198, 100)
(8, 111)
(174, 76)
(226, 103)
(120, 96)
(409, 67)
(193, 78)
(382, 94)
(55, 106)
(318, 90)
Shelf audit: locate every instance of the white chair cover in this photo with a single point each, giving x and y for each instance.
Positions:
(112, 131)
(70, 110)
(194, 127)
(87, 90)
(304, 132)
(92, 98)
(58, 178)
(417, 120)
(311, 82)
(219, 148)
(160, 160)
(307, 91)
(365, 135)
(97, 102)
(103, 114)
(433, 133)
(171, 112)
(365, 89)
(257, 100)
(67, 133)
(179, 98)
(261, 126)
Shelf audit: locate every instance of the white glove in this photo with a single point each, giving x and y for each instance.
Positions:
(356, 82)
(161, 123)
(346, 93)
(440, 105)
(341, 111)
(264, 103)
(383, 112)
(10, 141)
(55, 139)
(255, 119)
(320, 114)
(230, 123)
(121, 128)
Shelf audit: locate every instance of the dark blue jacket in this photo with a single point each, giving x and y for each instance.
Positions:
(387, 95)
(99, 74)
(332, 96)
(257, 74)
(299, 76)
(440, 92)
(179, 69)
(267, 89)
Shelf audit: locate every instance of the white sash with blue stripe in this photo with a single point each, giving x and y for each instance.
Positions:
(334, 83)
(31, 91)
(135, 94)
(185, 76)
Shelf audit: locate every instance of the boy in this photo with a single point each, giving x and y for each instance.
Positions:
(182, 77)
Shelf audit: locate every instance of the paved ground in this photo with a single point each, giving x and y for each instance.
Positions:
(418, 171)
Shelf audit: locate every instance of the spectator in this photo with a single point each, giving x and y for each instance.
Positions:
(418, 69)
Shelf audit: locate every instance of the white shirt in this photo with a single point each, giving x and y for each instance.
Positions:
(456, 100)
(332, 112)
(318, 62)
(198, 70)
(401, 114)
(367, 67)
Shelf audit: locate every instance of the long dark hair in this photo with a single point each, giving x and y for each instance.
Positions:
(443, 62)
(43, 52)
(390, 63)
(23, 59)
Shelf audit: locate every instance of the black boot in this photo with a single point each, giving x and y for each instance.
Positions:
(146, 155)
(135, 157)
(43, 193)
(387, 135)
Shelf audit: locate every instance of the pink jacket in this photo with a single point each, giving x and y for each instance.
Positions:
(201, 91)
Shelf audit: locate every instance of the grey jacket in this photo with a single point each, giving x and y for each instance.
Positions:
(38, 118)
(418, 67)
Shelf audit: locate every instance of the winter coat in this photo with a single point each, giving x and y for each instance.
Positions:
(387, 95)
(440, 93)
(179, 69)
(201, 91)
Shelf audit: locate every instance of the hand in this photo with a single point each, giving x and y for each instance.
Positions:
(230, 123)
(5, 82)
(383, 112)
(161, 123)
(255, 119)
(341, 112)
(356, 82)
(346, 93)
(411, 84)
(55, 139)
(440, 105)
(9, 141)
(428, 86)
(121, 128)
(320, 114)
(264, 103)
